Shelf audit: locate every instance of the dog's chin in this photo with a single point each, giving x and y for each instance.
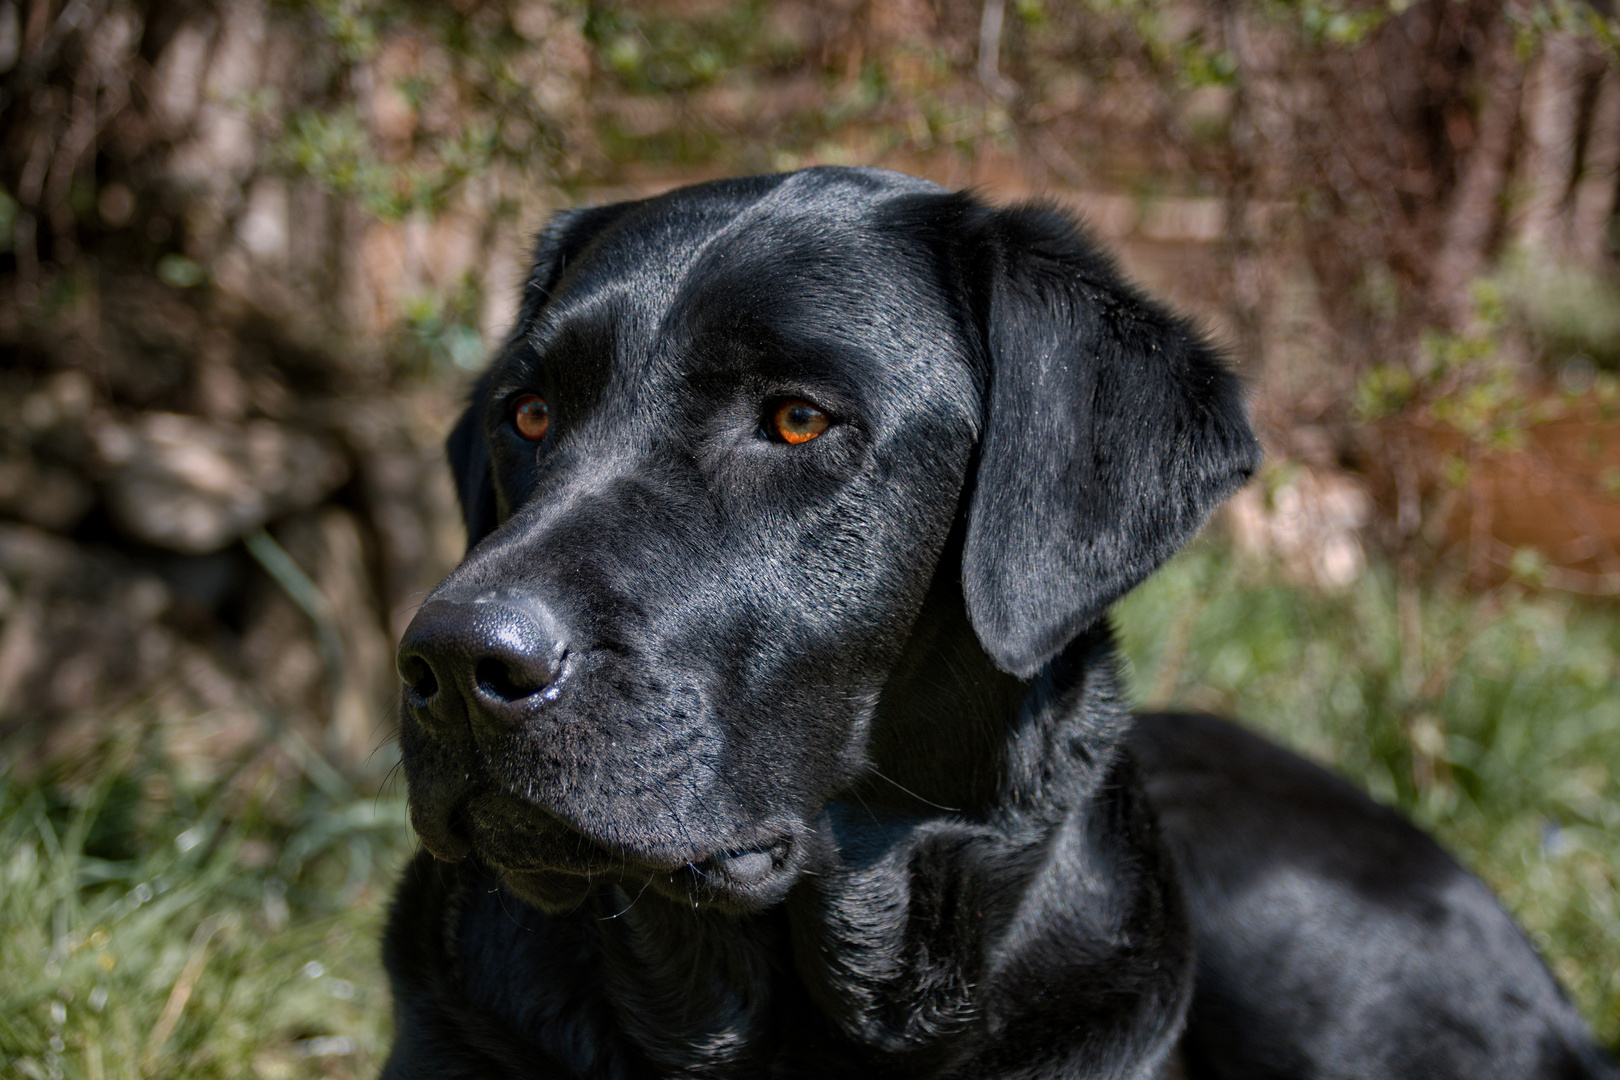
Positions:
(554, 892)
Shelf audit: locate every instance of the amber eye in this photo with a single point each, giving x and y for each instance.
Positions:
(798, 421)
(531, 417)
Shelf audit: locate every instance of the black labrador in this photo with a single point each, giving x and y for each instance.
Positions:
(772, 725)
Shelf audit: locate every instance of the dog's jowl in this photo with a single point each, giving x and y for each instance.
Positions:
(771, 726)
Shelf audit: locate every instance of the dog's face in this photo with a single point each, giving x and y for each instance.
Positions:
(708, 485)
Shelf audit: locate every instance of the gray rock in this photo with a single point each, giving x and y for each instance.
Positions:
(193, 485)
(78, 626)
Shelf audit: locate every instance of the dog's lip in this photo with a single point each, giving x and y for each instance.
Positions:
(750, 865)
(739, 865)
(520, 840)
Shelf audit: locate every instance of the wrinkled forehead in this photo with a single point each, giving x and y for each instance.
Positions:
(829, 278)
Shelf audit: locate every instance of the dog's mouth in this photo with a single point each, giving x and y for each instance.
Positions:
(553, 864)
(740, 881)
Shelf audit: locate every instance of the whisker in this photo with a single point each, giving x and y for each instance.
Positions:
(627, 907)
(914, 795)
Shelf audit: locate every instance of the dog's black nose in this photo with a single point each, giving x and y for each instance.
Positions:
(493, 663)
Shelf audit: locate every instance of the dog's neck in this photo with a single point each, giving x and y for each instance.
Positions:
(976, 776)
(979, 742)
(973, 788)
(696, 991)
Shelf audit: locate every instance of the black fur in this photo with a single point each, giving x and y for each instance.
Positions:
(739, 758)
(1328, 920)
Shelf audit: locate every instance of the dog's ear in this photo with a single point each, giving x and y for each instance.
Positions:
(562, 241)
(1111, 432)
(469, 466)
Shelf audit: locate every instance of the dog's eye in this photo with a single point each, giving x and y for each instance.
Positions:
(530, 417)
(798, 421)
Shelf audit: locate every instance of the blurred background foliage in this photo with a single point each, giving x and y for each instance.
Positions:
(250, 251)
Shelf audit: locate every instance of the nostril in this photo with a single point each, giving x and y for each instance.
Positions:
(487, 663)
(418, 677)
(506, 682)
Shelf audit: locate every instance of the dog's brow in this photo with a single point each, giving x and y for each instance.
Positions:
(750, 353)
(569, 344)
(601, 311)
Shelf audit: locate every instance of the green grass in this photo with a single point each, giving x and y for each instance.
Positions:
(153, 926)
(1494, 721)
(156, 931)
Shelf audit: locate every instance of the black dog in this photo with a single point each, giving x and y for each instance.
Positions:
(771, 726)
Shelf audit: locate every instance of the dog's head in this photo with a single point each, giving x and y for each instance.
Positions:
(710, 480)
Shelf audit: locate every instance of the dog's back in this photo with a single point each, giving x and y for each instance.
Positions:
(1335, 939)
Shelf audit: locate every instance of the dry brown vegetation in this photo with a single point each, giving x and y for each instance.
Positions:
(250, 247)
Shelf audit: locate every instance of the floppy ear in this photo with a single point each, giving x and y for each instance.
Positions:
(563, 240)
(1111, 432)
(469, 466)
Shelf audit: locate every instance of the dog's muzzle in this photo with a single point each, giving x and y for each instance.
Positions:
(479, 676)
